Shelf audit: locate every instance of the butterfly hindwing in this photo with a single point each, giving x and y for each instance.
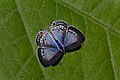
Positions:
(45, 39)
(58, 29)
(73, 39)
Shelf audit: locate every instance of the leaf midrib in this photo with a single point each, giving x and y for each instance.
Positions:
(30, 40)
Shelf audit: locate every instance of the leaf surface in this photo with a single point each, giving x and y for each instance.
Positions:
(98, 58)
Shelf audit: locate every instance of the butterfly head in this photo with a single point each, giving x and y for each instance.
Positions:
(58, 24)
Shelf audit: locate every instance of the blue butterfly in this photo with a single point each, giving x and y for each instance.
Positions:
(53, 45)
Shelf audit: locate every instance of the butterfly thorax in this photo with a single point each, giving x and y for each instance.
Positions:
(60, 46)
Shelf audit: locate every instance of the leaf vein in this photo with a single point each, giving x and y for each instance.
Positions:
(7, 17)
(96, 6)
(111, 55)
(27, 32)
(87, 15)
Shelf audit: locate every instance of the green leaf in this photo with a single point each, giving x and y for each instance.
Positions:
(98, 58)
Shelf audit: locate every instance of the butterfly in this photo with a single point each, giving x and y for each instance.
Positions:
(54, 44)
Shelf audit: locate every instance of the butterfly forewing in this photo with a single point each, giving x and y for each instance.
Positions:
(73, 39)
(48, 56)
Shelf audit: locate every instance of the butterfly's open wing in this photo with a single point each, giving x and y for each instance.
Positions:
(48, 51)
(49, 56)
(73, 39)
(58, 29)
(69, 37)
(45, 39)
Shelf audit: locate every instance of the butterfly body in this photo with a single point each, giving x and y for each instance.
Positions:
(54, 44)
